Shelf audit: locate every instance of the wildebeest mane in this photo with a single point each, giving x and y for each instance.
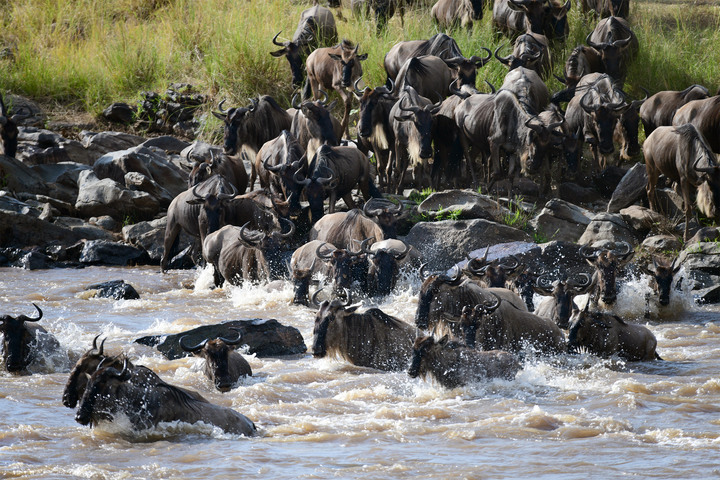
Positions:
(691, 87)
(343, 228)
(266, 116)
(418, 67)
(689, 134)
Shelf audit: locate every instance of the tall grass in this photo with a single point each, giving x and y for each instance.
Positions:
(89, 53)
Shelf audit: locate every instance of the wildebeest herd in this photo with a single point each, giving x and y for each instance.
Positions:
(427, 126)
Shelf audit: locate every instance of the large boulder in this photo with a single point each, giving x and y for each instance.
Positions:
(98, 144)
(107, 197)
(444, 243)
(631, 189)
(141, 183)
(150, 162)
(662, 244)
(37, 146)
(61, 179)
(103, 252)
(116, 289)
(607, 228)
(18, 177)
(263, 337)
(461, 204)
(21, 230)
(701, 262)
(641, 219)
(561, 220)
(166, 143)
(577, 194)
(150, 235)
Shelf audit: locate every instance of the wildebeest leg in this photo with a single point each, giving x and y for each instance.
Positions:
(653, 175)
(332, 199)
(347, 101)
(172, 235)
(348, 201)
(687, 206)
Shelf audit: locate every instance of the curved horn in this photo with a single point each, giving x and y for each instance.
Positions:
(412, 108)
(325, 97)
(455, 276)
(250, 241)
(370, 212)
(348, 297)
(300, 181)
(290, 232)
(491, 307)
(400, 255)
(253, 104)
(294, 102)
(325, 180)
(492, 87)
(545, 281)
(227, 196)
(582, 282)
(313, 299)
(40, 314)
(422, 272)
(504, 60)
(220, 105)
(271, 168)
(588, 252)
(320, 255)
(627, 248)
(274, 40)
(482, 61)
(392, 85)
(232, 341)
(512, 266)
(586, 107)
(599, 46)
(357, 90)
(189, 348)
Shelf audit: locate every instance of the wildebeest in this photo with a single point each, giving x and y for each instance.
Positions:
(559, 293)
(538, 16)
(252, 126)
(527, 85)
(368, 339)
(606, 335)
(335, 68)
(429, 75)
(385, 213)
(530, 51)
(313, 125)
(276, 164)
(474, 118)
(25, 342)
(224, 366)
(659, 109)
(385, 259)
(661, 273)
(315, 28)
(606, 8)
(239, 255)
(494, 274)
(441, 45)
(705, 116)
(618, 45)
(453, 364)
(627, 129)
(606, 263)
(683, 155)
(582, 61)
(345, 229)
(382, 10)
(412, 122)
(443, 296)
(450, 14)
(232, 168)
(511, 329)
(84, 367)
(8, 131)
(332, 174)
(146, 400)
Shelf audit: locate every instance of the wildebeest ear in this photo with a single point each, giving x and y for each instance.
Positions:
(219, 115)
(362, 57)
(403, 118)
(195, 201)
(278, 53)
(351, 309)
(335, 56)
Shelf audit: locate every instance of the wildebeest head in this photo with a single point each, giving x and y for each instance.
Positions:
(384, 215)
(347, 64)
(8, 131)
(319, 121)
(321, 180)
(216, 353)
(540, 140)
(270, 244)
(17, 341)
(563, 289)
(604, 116)
(705, 166)
(472, 316)
(661, 274)
(212, 216)
(495, 273)
(527, 52)
(330, 311)
(466, 68)
(534, 11)
(101, 393)
(606, 263)
(80, 373)
(291, 50)
(612, 54)
(253, 125)
(342, 263)
(384, 268)
(369, 115)
(420, 349)
(590, 330)
(628, 126)
(430, 287)
(235, 120)
(556, 23)
(422, 119)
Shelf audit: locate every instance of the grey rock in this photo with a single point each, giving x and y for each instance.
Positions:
(264, 338)
(608, 180)
(607, 227)
(662, 243)
(106, 222)
(705, 234)
(632, 188)
(12, 204)
(561, 220)
(444, 243)
(120, 113)
(466, 203)
(105, 142)
(38, 146)
(35, 260)
(62, 207)
(138, 181)
(103, 252)
(19, 230)
(85, 229)
(106, 197)
(641, 219)
(18, 177)
(577, 194)
(166, 143)
(117, 289)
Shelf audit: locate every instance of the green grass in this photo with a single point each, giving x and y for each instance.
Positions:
(90, 53)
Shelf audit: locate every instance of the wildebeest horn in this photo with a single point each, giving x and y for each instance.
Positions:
(299, 180)
(363, 245)
(400, 255)
(274, 40)
(626, 249)
(195, 194)
(271, 168)
(545, 281)
(392, 85)
(102, 344)
(370, 212)
(456, 91)
(325, 97)
(412, 108)
(253, 104)
(192, 349)
(503, 60)
(492, 87)
(589, 252)
(220, 107)
(621, 43)
(313, 299)
(290, 232)
(599, 46)
(319, 254)
(232, 341)
(638, 103)
(482, 61)
(560, 79)
(40, 314)
(533, 126)
(585, 106)
(512, 266)
(294, 102)
(580, 281)
(348, 297)
(455, 276)
(227, 196)
(357, 90)
(250, 241)
(422, 272)
(490, 307)
(325, 180)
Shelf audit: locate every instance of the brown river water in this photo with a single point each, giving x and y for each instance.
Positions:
(569, 417)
